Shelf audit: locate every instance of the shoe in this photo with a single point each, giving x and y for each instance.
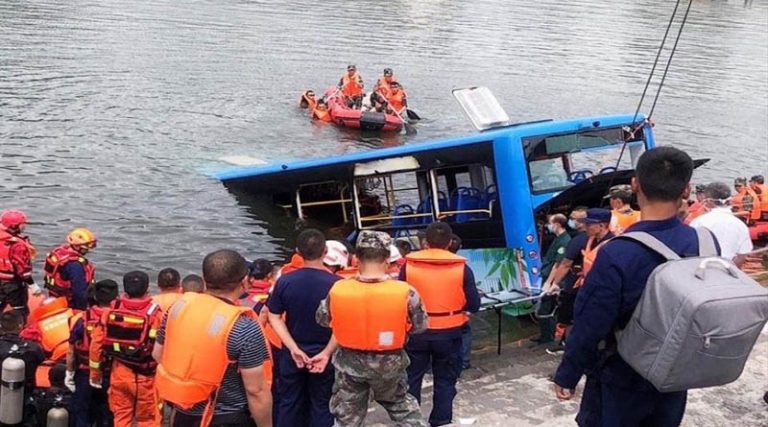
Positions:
(557, 349)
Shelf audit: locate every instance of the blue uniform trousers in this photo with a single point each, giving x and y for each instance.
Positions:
(304, 397)
(608, 405)
(89, 406)
(444, 357)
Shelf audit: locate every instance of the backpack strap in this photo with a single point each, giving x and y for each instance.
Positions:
(652, 243)
(707, 246)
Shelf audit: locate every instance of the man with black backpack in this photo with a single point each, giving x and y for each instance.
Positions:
(615, 394)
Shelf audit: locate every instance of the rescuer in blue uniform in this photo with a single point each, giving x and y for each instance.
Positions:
(614, 394)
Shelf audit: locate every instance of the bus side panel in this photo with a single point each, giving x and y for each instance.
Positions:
(516, 208)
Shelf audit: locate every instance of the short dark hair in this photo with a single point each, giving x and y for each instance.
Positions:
(57, 375)
(626, 198)
(664, 173)
(168, 278)
(403, 246)
(193, 283)
(224, 270)
(311, 244)
(104, 292)
(135, 283)
(371, 254)
(718, 192)
(439, 235)
(455, 244)
(260, 269)
(11, 321)
(758, 179)
(559, 219)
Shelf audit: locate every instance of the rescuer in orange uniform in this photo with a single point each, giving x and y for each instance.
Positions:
(126, 334)
(598, 231)
(384, 82)
(16, 253)
(757, 184)
(88, 406)
(169, 282)
(215, 376)
(398, 99)
(745, 204)
(49, 325)
(447, 286)
(697, 208)
(67, 272)
(622, 214)
(371, 316)
(351, 85)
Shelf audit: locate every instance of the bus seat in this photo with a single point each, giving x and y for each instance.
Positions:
(426, 207)
(490, 195)
(402, 210)
(469, 199)
(453, 202)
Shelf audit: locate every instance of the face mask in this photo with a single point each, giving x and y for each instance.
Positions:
(551, 228)
(572, 224)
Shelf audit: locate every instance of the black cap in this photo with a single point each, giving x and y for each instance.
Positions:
(105, 291)
(135, 283)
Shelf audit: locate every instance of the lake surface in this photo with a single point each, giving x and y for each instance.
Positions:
(112, 111)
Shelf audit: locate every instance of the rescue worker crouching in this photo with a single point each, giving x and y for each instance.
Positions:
(447, 286)
(49, 326)
(218, 375)
(67, 272)
(169, 282)
(351, 85)
(126, 334)
(16, 253)
(372, 316)
(89, 405)
(622, 214)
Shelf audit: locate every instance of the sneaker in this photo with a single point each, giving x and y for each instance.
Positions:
(557, 349)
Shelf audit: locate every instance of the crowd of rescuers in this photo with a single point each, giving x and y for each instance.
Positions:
(388, 95)
(308, 344)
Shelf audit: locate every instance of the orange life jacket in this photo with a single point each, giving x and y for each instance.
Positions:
(397, 99)
(42, 373)
(294, 264)
(696, 210)
(590, 254)
(348, 273)
(746, 201)
(166, 299)
(90, 318)
(58, 258)
(130, 331)
(7, 241)
(351, 86)
(438, 276)
(369, 316)
(763, 195)
(620, 221)
(193, 365)
(322, 115)
(51, 318)
(256, 298)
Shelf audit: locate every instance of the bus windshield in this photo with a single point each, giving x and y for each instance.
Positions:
(556, 162)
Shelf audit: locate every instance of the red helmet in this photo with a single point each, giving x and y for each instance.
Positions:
(13, 218)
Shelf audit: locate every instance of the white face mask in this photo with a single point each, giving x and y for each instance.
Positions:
(551, 228)
(572, 223)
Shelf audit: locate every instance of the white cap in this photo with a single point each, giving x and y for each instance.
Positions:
(394, 254)
(336, 255)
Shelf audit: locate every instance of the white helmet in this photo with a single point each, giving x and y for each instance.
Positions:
(394, 254)
(336, 254)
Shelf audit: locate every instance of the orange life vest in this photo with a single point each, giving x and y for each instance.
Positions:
(438, 276)
(7, 241)
(620, 221)
(322, 115)
(42, 379)
(58, 258)
(590, 254)
(369, 316)
(351, 86)
(90, 318)
(348, 273)
(397, 99)
(51, 318)
(166, 299)
(763, 196)
(746, 201)
(130, 331)
(696, 210)
(192, 366)
(255, 299)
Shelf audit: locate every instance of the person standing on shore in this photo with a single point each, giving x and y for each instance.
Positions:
(447, 286)
(615, 394)
(16, 253)
(305, 381)
(67, 271)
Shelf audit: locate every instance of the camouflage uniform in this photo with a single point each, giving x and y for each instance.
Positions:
(358, 373)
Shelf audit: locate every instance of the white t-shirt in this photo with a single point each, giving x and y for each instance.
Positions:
(731, 232)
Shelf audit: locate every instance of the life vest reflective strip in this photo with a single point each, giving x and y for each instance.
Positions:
(369, 316)
(58, 258)
(193, 365)
(90, 319)
(53, 320)
(590, 254)
(130, 331)
(620, 221)
(7, 241)
(351, 86)
(438, 276)
(166, 299)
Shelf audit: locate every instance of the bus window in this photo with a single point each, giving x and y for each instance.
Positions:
(326, 202)
(556, 162)
(398, 196)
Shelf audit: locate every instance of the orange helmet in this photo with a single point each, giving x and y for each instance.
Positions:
(82, 237)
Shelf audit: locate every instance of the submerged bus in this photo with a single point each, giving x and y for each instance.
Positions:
(495, 188)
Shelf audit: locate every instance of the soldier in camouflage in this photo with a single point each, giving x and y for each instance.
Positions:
(381, 373)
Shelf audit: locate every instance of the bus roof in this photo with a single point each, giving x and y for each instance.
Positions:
(334, 167)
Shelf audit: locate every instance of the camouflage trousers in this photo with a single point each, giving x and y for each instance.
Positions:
(351, 393)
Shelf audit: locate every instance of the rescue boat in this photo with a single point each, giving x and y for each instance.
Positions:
(359, 119)
(758, 232)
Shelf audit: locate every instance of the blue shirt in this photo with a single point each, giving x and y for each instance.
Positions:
(472, 305)
(609, 296)
(75, 273)
(298, 294)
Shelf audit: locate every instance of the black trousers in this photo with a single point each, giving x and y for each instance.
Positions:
(180, 419)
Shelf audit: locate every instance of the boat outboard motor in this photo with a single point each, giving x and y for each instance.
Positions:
(12, 389)
(372, 120)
